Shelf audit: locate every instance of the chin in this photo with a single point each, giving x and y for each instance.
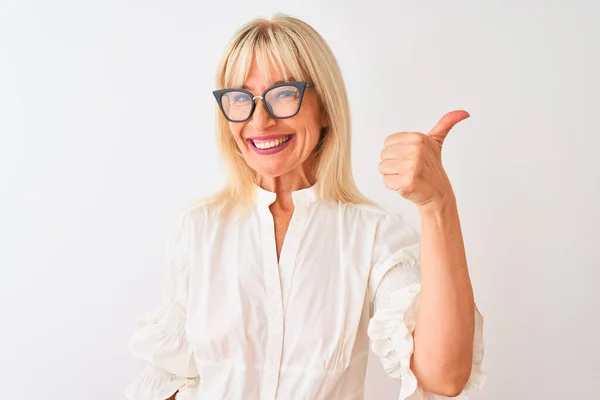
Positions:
(271, 172)
(270, 168)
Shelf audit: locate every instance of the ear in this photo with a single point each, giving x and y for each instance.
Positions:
(322, 136)
(324, 131)
(324, 116)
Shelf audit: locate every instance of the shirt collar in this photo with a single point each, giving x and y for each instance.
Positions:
(302, 196)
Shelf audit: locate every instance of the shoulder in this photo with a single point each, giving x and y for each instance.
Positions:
(198, 212)
(372, 212)
(383, 223)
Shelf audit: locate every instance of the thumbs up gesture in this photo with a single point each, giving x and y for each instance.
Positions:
(411, 162)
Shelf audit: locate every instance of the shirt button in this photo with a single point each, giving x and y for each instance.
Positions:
(277, 319)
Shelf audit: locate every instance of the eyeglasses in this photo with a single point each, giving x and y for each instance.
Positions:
(281, 101)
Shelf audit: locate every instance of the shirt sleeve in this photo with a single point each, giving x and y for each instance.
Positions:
(160, 337)
(396, 286)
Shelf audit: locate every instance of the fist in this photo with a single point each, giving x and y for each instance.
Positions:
(411, 162)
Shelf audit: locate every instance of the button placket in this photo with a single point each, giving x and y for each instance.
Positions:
(274, 307)
(277, 289)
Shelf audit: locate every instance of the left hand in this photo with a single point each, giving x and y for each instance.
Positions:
(411, 162)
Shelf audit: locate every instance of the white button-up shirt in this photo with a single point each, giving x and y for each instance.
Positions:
(238, 324)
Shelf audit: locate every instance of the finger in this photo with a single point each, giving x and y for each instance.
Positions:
(396, 151)
(402, 137)
(398, 183)
(393, 182)
(397, 167)
(442, 128)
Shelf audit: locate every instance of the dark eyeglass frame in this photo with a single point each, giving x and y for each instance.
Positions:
(301, 86)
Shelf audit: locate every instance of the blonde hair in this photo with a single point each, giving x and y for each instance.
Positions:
(297, 48)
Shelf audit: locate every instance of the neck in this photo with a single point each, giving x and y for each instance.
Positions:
(284, 185)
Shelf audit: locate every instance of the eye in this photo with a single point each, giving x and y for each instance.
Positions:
(287, 93)
(283, 94)
(239, 97)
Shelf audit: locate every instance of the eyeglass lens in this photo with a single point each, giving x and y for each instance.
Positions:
(282, 102)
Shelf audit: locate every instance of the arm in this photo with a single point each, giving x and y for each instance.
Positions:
(174, 395)
(411, 165)
(158, 339)
(444, 332)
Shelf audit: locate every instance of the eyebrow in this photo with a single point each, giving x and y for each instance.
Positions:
(245, 87)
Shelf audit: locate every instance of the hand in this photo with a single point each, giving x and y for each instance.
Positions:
(411, 163)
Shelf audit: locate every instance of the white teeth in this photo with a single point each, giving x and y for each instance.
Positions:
(270, 144)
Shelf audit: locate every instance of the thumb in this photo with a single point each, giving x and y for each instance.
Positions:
(442, 128)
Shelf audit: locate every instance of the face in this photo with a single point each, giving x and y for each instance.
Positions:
(278, 148)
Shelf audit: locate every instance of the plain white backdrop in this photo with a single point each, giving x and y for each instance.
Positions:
(107, 130)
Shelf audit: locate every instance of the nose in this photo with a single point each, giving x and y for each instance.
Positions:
(261, 119)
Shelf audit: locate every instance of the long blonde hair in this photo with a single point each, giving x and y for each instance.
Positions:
(297, 48)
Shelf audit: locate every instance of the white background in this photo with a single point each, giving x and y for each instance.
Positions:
(107, 129)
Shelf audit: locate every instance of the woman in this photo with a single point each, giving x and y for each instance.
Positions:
(278, 283)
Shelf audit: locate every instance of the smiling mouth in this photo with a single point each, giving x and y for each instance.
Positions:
(270, 144)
